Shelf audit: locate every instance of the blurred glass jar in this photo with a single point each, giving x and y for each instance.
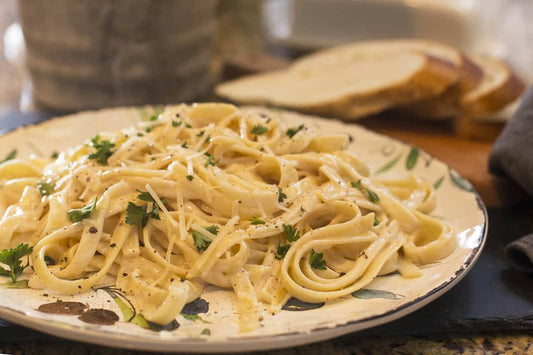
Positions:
(85, 54)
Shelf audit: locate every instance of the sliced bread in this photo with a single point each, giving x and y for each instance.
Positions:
(447, 104)
(348, 81)
(498, 88)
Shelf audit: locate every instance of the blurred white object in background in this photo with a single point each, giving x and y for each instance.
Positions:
(499, 28)
(15, 54)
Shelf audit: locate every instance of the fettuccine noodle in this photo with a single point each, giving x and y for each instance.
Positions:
(211, 194)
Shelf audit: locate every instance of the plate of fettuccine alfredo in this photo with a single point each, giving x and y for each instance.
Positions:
(209, 228)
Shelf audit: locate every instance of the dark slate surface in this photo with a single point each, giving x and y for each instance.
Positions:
(493, 296)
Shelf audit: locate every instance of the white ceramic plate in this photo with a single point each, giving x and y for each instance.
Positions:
(385, 299)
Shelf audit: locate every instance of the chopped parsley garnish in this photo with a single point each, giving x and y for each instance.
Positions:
(281, 195)
(208, 139)
(357, 184)
(376, 222)
(184, 145)
(281, 251)
(201, 133)
(256, 220)
(210, 161)
(176, 123)
(291, 132)
(79, 214)
(206, 332)
(145, 196)
(149, 129)
(140, 134)
(11, 258)
(372, 196)
(136, 215)
(189, 177)
(201, 241)
(291, 233)
(188, 125)
(54, 155)
(212, 229)
(259, 130)
(103, 150)
(45, 188)
(153, 118)
(12, 154)
(316, 261)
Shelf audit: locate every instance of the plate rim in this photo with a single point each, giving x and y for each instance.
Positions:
(254, 343)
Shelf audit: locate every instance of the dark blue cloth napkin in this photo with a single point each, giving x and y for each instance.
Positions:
(512, 156)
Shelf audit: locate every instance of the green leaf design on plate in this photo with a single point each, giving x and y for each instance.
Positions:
(389, 165)
(130, 316)
(437, 183)
(367, 293)
(194, 318)
(460, 182)
(16, 284)
(412, 158)
(294, 304)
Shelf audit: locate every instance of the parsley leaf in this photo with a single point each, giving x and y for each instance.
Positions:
(12, 154)
(11, 258)
(145, 196)
(45, 188)
(256, 220)
(153, 118)
(176, 123)
(103, 150)
(79, 214)
(291, 132)
(281, 251)
(316, 261)
(259, 130)
(54, 155)
(210, 161)
(291, 233)
(136, 215)
(376, 222)
(357, 184)
(201, 133)
(188, 125)
(281, 195)
(372, 196)
(201, 241)
(212, 229)
(184, 145)
(189, 177)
